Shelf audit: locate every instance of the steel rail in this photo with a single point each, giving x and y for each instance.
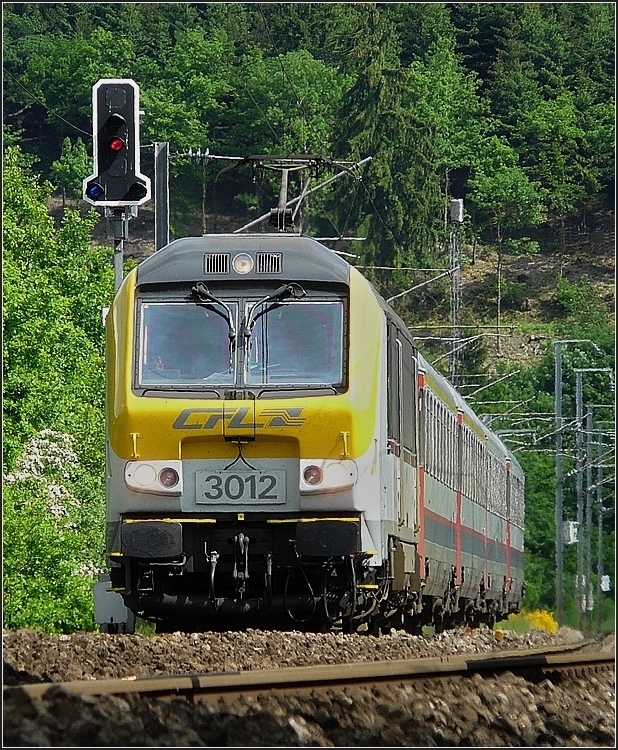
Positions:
(216, 684)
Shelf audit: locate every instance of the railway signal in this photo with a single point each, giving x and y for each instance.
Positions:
(116, 179)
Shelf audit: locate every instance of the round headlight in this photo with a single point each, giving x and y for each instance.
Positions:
(168, 477)
(144, 475)
(313, 475)
(242, 263)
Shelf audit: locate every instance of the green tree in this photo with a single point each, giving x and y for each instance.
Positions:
(480, 30)
(73, 166)
(586, 315)
(184, 103)
(502, 189)
(549, 135)
(446, 98)
(398, 202)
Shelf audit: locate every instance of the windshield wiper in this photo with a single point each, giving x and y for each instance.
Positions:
(201, 291)
(283, 292)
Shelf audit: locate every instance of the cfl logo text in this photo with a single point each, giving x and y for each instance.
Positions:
(241, 417)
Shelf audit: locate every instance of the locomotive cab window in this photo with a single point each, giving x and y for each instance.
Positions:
(296, 343)
(182, 344)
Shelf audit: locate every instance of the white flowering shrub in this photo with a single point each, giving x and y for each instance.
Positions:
(53, 537)
(47, 456)
(49, 452)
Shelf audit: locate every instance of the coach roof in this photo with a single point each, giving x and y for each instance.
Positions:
(303, 258)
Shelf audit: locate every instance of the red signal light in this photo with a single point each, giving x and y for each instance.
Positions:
(116, 144)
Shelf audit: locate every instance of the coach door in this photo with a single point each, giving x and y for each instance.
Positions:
(402, 367)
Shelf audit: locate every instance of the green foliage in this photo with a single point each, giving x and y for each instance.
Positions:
(513, 294)
(54, 287)
(549, 134)
(188, 95)
(522, 246)
(73, 166)
(423, 86)
(523, 409)
(539, 537)
(586, 314)
(502, 189)
(379, 117)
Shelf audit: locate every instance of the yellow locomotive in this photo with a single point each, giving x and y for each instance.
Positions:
(277, 447)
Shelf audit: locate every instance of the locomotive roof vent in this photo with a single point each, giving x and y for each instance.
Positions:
(216, 263)
(268, 262)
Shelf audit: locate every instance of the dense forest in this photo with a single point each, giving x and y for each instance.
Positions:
(508, 106)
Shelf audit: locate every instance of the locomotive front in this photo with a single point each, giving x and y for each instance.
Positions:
(241, 432)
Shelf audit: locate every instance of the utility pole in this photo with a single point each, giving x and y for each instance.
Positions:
(558, 508)
(119, 233)
(600, 453)
(162, 194)
(581, 597)
(456, 213)
(589, 597)
(558, 513)
(580, 507)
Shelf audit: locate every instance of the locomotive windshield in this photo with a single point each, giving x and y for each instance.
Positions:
(297, 342)
(292, 343)
(182, 344)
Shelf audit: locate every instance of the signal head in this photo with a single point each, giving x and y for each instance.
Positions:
(116, 179)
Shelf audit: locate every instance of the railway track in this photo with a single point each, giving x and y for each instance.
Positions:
(571, 660)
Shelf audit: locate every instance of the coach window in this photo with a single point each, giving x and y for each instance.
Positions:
(432, 432)
(393, 365)
(408, 391)
(443, 443)
(468, 462)
(484, 473)
(478, 473)
(457, 448)
(425, 437)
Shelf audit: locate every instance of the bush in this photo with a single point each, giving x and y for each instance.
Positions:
(50, 539)
(54, 285)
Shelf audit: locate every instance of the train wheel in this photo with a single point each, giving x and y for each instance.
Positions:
(167, 626)
(413, 624)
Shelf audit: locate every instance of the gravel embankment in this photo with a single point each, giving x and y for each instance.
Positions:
(474, 712)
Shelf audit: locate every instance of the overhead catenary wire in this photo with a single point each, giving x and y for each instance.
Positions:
(293, 201)
(482, 388)
(300, 104)
(38, 101)
(424, 283)
(184, 200)
(405, 268)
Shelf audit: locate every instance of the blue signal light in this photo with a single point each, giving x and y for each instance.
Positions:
(94, 191)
